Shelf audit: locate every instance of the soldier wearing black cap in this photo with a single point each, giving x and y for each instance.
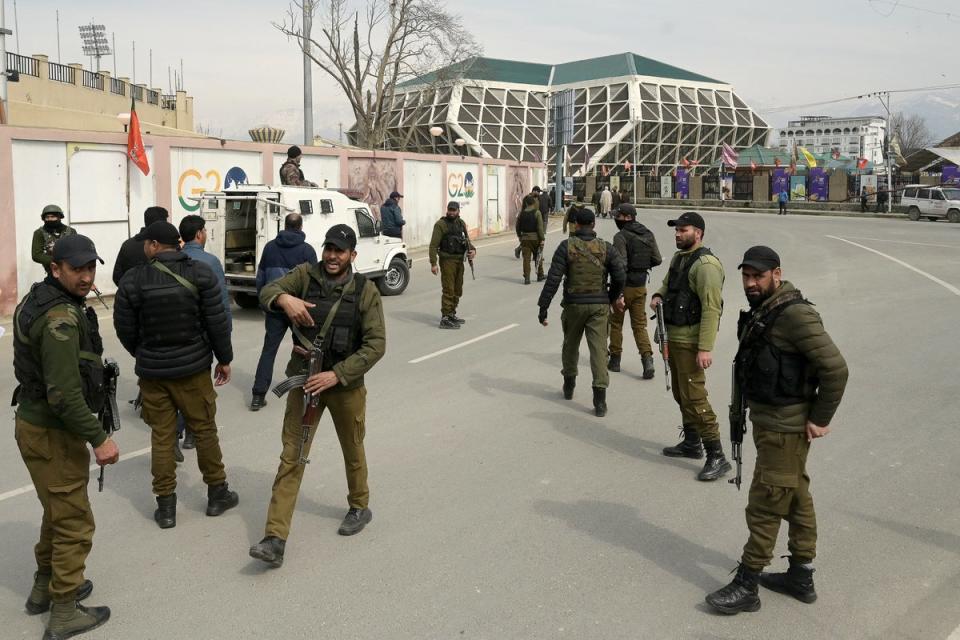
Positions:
(638, 248)
(46, 236)
(450, 245)
(793, 378)
(290, 171)
(585, 264)
(169, 315)
(334, 308)
(57, 362)
(692, 296)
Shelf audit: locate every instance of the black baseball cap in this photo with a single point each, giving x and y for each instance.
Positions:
(453, 205)
(75, 250)
(341, 236)
(760, 258)
(585, 216)
(689, 219)
(627, 209)
(535, 190)
(396, 194)
(163, 232)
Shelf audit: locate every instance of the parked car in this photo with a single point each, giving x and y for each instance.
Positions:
(931, 202)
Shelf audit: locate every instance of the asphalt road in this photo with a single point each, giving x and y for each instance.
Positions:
(503, 511)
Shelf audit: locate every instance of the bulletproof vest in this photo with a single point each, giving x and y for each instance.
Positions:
(28, 369)
(299, 171)
(681, 305)
(527, 221)
(455, 237)
(345, 335)
(50, 237)
(767, 374)
(586, 265)
(639, 249)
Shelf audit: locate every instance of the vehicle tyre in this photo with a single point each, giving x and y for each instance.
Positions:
(246, 300)
(396, 279)
(953, 215)
(913, 213)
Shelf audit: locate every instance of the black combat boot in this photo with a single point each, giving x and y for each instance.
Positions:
(526, 279)
(689, 447)
(569, 383)
(541, 278)
(189, 441)
(796, 582)
(270, 550)
(258, 401)
(457, 319)
(220, 498)
(355, 521)
(648, 370)
(739, 595)
(599, 401)
(39, 600)
(716, 465)
(613, 364)
(447, 322)
(166, 513)
(68, 619)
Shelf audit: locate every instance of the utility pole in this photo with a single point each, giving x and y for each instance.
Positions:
(16, 25)
(4, 32)
(113, 37)
(59, 61)
(889, 156)
(307, 73)
(150, 84)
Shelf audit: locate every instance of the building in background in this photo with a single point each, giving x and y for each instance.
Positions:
(861, 137)
(67, 96)
(621, 110)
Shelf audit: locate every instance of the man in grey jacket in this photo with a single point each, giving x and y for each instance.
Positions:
(391, 217)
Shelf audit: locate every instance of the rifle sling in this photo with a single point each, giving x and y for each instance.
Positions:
(326, 323)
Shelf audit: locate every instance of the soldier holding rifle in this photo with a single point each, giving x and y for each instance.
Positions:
(792, 378)
(339, 329)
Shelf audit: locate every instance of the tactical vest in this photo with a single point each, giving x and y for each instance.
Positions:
(767, 374)
(27, 368)
(681, 305)
(454, 239)
(50, 238)
(527, 221)
(639, 250)
(299, 171)
(345, 335)
(586, 266)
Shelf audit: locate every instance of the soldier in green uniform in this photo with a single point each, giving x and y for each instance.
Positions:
(57, 362)
(793, 378)
(449, 246)
(342, 305)
(46, 236)
(585, 263)
(531, 235)
(638, 249)
(692, 302)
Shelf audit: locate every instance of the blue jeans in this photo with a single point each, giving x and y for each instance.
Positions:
(275, 325)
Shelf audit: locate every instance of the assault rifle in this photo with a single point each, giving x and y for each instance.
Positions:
(311, 402)
(661, 337)
(738, 424)
(538, 258)
(109, 415)
(473, 274)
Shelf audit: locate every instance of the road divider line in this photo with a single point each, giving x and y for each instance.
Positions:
(463, 344)
(919, 244)
(13, 493)
(946, 285)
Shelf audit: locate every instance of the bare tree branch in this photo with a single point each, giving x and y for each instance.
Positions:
(912, 132)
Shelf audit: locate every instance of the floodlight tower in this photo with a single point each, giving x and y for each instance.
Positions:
(95, 44)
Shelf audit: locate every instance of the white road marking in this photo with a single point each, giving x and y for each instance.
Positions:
(463, 344)
(94, 467)
(946, 285)
(490, 244)
(919, 244)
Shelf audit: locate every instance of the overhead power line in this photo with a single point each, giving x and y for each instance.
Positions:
(896, 4)
(861, 96)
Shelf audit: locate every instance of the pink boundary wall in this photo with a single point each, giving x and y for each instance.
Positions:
(161, 174)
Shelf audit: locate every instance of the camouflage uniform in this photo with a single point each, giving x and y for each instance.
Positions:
(292, 174)
(43, 241)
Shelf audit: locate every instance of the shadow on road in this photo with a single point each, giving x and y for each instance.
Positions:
(418, 317)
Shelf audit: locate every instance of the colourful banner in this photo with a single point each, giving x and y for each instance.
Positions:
(779, 183)
(951, 176)
(683, 184)
(818, 184)
(798, 187)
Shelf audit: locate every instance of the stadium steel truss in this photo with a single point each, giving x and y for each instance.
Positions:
(609, 110)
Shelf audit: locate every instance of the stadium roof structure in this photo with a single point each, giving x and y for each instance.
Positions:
(605, 111)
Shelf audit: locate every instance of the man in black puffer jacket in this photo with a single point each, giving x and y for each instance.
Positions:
(169, 315)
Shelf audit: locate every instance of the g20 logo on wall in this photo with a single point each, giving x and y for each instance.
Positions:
(461, 185)
(193, 183)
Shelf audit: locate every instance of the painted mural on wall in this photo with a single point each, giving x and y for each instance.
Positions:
(518, 185)
(374, 179)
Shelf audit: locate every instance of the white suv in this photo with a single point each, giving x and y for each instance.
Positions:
(931, 202)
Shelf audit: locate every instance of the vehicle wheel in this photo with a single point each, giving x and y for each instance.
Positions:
(396, 279)
(246, 300)
(913, 213)
(953, 215)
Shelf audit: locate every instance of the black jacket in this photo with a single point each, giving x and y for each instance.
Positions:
(171, 332)
(558, 271)
(130, 255)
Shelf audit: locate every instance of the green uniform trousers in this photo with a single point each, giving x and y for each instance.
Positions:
(348, 409)
(590, 319)
(195, 398)
(59, 462)
(689, 383)
(780, 491)
(635, 299)
(451, 279)
(528, 247)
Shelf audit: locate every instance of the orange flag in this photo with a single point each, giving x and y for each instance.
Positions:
(135, 150)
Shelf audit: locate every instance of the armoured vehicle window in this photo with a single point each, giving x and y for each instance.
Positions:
(365, 224)
(326, 206)
(306, 207)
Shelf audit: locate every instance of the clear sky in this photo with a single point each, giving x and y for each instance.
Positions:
(242, 72)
